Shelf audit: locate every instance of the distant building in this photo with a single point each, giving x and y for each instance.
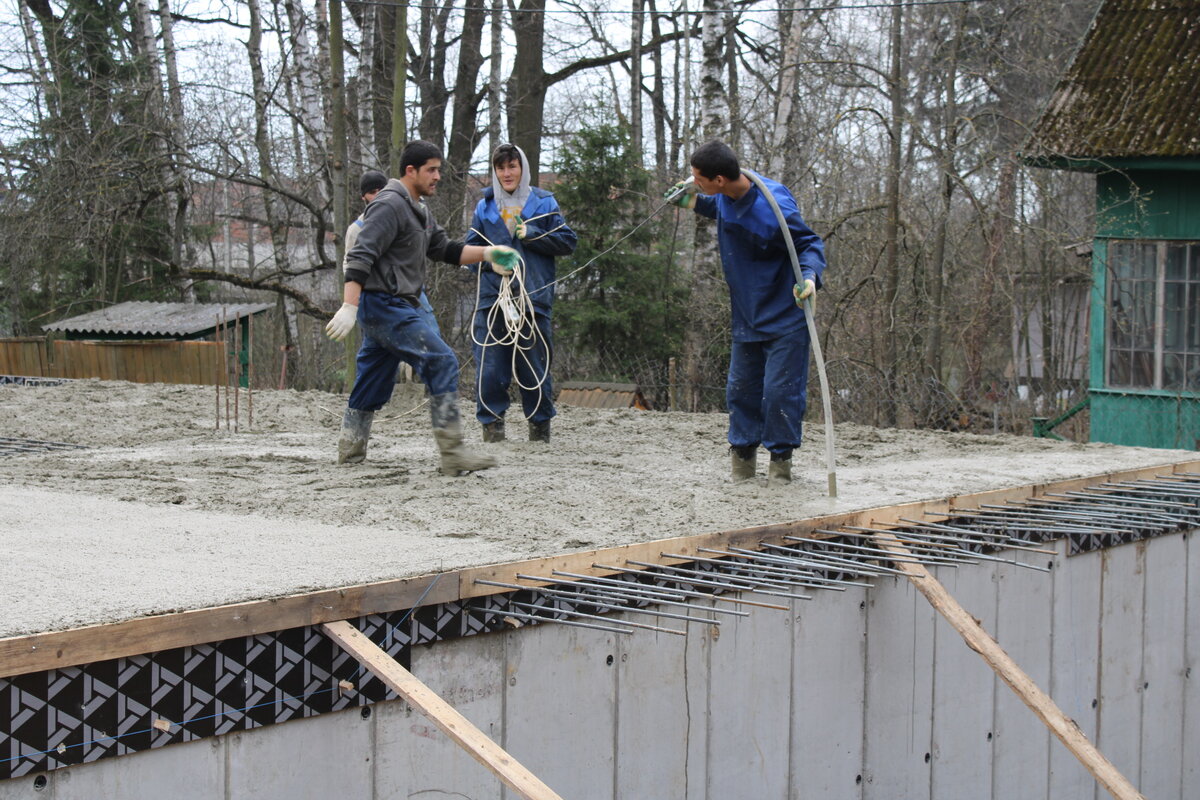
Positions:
(1126, 110)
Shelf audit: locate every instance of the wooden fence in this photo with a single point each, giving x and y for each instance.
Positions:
(140, 362)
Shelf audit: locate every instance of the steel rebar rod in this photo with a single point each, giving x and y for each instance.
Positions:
(698, 595)
(794, 556)
(583, 579)
(520, 615)
(790, 576)
(767, 561)
(834, 561)
(590, 599)
(1007, 544)
(624, 587)
(997, 559)
(581, 615)
(1134, 515)
(1062, 524)
(697, 577)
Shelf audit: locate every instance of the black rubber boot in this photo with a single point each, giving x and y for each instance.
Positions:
(539, 431)
(742, 463)
(447, 432)
(780, 470)
(494, 431)
(356, 431)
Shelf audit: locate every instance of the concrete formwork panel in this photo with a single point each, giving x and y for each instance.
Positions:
(1122, 617)
(326, 756)
(1191, 682)
(1021, 762)
(829, 658)
(750, 669)
(1074, 667)
(412, 755)
(696, 694)
(1163, 635)
(192, 771)
(899, 692)
(560, 710)
(963, 690)
(654, 713)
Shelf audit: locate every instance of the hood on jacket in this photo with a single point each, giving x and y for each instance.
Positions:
(510, 204)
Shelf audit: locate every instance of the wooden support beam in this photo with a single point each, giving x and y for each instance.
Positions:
(1039, 702)
(445, 716)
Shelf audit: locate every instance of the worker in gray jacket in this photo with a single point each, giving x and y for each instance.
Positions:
(385, 271)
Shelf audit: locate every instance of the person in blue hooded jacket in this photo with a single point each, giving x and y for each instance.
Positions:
(511, 331)
(766, 389)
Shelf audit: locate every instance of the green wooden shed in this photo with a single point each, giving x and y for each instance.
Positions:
(1128, 109)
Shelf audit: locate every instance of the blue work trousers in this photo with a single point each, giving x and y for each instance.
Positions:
(394, 331)
(767, 392)
(494, 368)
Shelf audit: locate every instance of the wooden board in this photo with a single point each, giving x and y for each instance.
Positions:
(448, 720)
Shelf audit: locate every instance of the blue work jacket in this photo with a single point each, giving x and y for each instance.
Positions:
(545, 239)
(755, 259)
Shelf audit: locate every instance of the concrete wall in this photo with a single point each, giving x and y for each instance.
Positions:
(854, 694)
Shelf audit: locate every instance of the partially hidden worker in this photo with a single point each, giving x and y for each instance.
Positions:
(512, 212)
(385, 271)
(766, 389)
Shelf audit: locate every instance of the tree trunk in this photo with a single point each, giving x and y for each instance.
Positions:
(891, 358)
(464, 132)
(399, 67)
(367, 154)
(527, 83)
(494, 77)
(635, 81)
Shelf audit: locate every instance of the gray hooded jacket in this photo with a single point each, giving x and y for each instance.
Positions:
(397, 235)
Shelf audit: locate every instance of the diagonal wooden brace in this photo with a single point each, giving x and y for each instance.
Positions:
(450, 721)
(1038, 701)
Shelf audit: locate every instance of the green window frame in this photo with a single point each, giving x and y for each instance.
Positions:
(1153, 324)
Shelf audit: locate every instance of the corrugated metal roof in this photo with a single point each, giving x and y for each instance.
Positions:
(590, 394)
(139, 318)
(1132, 89)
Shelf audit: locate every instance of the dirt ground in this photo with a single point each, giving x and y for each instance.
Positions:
(162, 512)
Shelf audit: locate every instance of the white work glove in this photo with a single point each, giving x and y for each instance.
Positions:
(520, 230)
(342, 323)
(502, 259)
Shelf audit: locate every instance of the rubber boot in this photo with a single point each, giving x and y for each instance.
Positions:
(494, 431)
(356, 430)
(447, 432)
(539, 431)
(780, 469)
(742, 460)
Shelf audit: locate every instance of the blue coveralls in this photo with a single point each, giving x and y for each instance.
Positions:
(766, 389)
(494, 363)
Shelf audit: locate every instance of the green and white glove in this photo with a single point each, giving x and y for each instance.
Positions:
(520, 231)
(802, 292)
(503, 259)
(682, 194)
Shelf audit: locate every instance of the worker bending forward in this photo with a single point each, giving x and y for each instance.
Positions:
(384, 274)
(766, 390)
(514, 213)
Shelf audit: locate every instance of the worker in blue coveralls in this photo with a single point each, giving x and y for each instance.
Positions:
(512, 212)
(766, 390)
(385, 271)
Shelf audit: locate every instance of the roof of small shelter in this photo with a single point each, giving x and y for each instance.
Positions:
(1131, 91)
(139, 318)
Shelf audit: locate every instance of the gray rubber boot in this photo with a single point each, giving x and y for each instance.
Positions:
(539, 431)
(447, 432)
(780, 470)
(742, 462)
(494, 431)
(356, 430)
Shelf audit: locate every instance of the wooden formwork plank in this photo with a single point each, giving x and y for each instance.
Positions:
(54, 650)
(1011, 673)
(441, 713)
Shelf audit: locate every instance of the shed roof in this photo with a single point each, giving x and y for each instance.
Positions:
(139, 318)
(1131, 91)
